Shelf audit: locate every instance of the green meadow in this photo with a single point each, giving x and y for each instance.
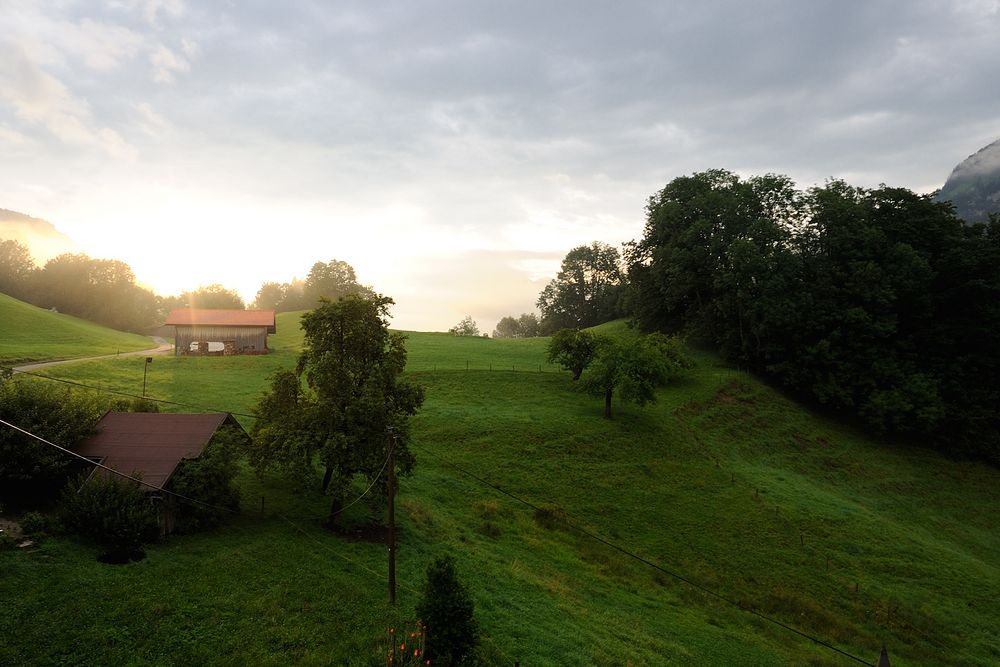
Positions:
(29, 333)
(725, 482)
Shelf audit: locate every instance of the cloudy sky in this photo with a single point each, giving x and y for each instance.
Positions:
(453, 152)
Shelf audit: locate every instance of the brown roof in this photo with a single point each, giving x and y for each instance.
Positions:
(222, 318)
(151, 443)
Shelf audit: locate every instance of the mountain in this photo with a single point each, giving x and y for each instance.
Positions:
(40, 236)
(974, 185)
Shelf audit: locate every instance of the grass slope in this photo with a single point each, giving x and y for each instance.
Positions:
(31, 334)
(724, 481)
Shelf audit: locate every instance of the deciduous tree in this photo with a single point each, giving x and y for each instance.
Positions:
(336, 409)
(587, 290)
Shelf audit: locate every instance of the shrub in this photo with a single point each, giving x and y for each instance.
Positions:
(113, 512)
(209, 478)
(446, 611)
(30, 469)
(35, 524)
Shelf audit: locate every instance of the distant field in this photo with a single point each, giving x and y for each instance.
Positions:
(30, 334)
(723, 481)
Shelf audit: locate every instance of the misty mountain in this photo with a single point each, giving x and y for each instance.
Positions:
(41, 237)
(974, 185)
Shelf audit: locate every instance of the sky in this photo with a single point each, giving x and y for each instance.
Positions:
(454, 152)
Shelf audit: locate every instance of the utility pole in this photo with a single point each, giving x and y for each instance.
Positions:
(392, 516)
(145, 368)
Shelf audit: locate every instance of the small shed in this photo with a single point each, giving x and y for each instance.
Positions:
(152, 445)
(207, 331)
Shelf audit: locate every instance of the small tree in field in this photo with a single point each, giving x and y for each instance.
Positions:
(634, 369)
(573, 350)
(467, 327)
(446, 611)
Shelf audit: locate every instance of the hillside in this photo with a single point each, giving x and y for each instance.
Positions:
(40, 236)
(28, 333)
(724, 482)
(974, 185)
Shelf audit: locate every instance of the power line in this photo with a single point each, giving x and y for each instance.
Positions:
(125, 393)
(647, 562)
(137, 480)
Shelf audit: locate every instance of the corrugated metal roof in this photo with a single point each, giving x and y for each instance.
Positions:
(222, 318)
(151, 443)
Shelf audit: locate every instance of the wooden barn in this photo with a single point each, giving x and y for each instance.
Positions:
(153, 445)
(221, 332)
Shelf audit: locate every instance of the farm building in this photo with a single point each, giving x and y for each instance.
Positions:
(221, 332)
(152, 446)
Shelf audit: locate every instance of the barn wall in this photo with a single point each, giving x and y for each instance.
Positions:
(246, 339)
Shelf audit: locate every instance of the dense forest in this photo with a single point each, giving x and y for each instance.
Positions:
(879, 303)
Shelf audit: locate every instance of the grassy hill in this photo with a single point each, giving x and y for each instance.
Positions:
(28, 333)
(724, 481)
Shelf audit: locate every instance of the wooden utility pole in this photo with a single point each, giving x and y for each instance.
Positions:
(392, 517)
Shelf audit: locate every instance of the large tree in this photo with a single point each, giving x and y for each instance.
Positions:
(345, 404)
(331, 280)
(16, 269)
(214, 297)
(586, 291)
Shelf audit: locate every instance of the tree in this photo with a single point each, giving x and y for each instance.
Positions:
(113, 512)
(447, 613)
(214, 297)
(633, 369)
(209, 479)
(587, 290)
(270, 296)
(525, 326)
(29, 467)
(100, 290)
(16, 269)
(467, 327)
(339, 405)
(573, 350)
(331, 280)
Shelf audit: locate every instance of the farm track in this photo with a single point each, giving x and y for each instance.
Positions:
(162, 347)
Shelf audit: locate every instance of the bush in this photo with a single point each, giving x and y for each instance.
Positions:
(113, 512)
(35, 525)
(446, 611)
(30, 469)
(209, 478)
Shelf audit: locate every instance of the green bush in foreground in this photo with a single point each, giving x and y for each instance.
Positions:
(113, 512)
(447, 614)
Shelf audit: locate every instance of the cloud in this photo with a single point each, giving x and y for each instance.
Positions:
(167, 64)
(41, 99)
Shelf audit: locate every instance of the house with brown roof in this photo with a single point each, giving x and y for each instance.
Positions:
(153, 446)
(221, 332)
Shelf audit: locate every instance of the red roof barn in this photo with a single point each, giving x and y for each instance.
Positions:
(232, 331)
(152, 444)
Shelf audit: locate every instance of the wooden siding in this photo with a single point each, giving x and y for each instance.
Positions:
(248, 339)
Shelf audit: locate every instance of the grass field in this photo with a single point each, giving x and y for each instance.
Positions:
(31, 334)
(724, 481)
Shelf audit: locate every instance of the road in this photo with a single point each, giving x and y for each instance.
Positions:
(162, 347)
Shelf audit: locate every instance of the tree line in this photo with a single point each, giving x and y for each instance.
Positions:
(105, 290)
(877, 302)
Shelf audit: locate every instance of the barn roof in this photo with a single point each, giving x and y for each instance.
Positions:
(222, 318)
(151, 443)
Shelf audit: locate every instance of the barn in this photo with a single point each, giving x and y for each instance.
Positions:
(221, 332)
(153, 445)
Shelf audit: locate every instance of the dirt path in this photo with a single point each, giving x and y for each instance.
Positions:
(162, 347)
